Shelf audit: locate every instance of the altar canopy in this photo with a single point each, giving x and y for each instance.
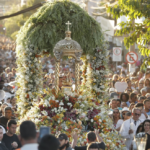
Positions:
(67, 47)
(43, 34)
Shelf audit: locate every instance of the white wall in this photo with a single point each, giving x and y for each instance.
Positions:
(23, 2)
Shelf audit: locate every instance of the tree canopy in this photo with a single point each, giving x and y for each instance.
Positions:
(135, 32)
(13, 24)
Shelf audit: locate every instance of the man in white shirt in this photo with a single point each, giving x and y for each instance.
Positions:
(129, 127)
(28, 136)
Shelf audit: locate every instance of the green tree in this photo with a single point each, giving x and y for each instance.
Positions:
(135, 32)
(13, 24)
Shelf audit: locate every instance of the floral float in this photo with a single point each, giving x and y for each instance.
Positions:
(62, 112)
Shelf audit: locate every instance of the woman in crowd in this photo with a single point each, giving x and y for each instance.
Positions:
(4, 105)
(124, 97)
(147, 83)
(13, 101)
(144, 127)
(117, 121)
(140, 128)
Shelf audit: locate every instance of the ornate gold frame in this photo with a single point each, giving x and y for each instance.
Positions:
(67, 47)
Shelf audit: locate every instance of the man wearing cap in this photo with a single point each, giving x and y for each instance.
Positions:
(124, 111)
(64, 142)
(129, 127)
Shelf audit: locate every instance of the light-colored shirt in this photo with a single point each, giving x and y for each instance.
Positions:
(33, 146)
(119, 123)
(148, 113)
(4, 131)
(124, 131)
(142, 117)
(128, 103)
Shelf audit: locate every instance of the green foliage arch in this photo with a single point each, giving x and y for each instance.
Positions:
(46, 27)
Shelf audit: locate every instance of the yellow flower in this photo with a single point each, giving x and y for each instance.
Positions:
(61, 115)
(46, 121)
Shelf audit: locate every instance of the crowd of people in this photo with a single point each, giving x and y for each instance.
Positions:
(129, 109)
(30, 139)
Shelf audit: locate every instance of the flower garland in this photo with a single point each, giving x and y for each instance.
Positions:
(29, 77)
(98, 65)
